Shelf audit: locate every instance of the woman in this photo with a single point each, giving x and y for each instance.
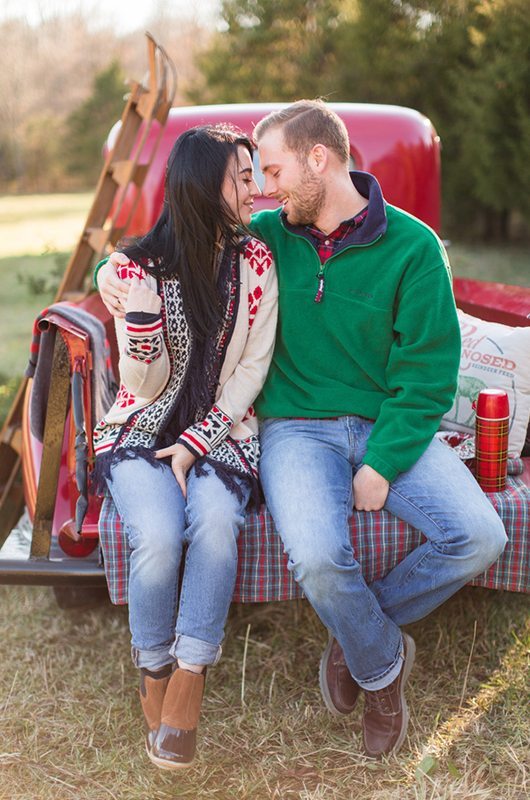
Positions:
(179, 448)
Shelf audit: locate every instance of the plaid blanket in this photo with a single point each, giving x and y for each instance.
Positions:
(379, 540)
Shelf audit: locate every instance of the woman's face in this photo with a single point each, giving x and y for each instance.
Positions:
(239, 187)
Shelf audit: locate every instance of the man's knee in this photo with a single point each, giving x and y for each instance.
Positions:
(495, 540)
(485, 540)
(317, 570)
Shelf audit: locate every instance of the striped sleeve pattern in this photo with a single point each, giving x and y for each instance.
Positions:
(201, 438)
(144, 337)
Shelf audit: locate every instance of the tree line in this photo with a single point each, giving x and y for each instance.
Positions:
(62, 87)
(463, 63)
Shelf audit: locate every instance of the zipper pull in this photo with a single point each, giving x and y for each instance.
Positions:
(320, 291)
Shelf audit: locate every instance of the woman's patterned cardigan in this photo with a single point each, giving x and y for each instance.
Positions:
(155, 357)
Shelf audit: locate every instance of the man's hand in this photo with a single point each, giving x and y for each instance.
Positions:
(370, 489)
(141, 298)
(181, 462)
(113, 291)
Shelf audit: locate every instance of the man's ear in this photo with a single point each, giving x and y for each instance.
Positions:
(318, 157)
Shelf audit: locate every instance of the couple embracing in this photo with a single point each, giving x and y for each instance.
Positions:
(331, 320)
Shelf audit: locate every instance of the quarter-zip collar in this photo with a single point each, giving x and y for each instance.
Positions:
(373, 227)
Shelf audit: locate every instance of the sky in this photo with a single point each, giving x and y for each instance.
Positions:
(124, 15)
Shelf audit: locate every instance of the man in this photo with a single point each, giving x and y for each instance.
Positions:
(364, 367)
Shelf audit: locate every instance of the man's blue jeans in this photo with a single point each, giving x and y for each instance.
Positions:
(306, 470)
(158, 522)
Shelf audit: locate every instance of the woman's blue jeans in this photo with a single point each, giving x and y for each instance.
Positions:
(159, 522)
(306, 470)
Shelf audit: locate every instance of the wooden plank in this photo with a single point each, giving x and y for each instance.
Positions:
(12, 500)
(125, 172)
(143, 106)
(11, 494)
(98, 238)
(51, 451)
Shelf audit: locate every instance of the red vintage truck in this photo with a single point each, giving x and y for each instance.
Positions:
(400, 147)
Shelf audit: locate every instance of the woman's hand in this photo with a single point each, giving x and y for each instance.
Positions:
(113, 291)
(142, 298)
(181, 462)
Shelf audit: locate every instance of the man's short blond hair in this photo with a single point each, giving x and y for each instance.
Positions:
(306, 123)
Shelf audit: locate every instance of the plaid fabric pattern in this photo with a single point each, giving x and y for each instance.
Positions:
(379, 539)
(327, 244)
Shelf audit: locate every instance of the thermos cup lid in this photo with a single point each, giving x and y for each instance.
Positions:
(492, 404)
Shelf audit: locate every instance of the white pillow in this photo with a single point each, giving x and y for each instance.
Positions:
(493, 356)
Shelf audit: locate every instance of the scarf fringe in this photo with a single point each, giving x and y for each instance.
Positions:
(228, 478)
(104, 463)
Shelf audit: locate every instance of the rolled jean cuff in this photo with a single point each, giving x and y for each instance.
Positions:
(195, 651)
(388, 676)
(153, 659)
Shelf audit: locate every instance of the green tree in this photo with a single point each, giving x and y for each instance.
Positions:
(378, 48)
(43, 165)
(463, 63)
(492, 118)
(8, 160)
(269, 50)
(88, 126)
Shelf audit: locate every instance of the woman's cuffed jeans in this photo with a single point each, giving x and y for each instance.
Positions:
(159, 522)
(306, 469)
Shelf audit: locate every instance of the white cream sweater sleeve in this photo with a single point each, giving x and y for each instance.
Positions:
(144, 361)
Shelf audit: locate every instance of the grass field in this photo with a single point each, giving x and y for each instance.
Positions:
(37, 234)
(70, 723)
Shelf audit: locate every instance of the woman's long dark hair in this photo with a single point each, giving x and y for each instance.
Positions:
(183, 241)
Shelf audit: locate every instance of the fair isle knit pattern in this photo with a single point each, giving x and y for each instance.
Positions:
(137, 420)
(205, 435)
(144, 342)
(143, 425)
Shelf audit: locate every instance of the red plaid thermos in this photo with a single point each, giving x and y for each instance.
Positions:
(491, 439)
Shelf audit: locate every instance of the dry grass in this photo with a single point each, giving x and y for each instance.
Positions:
(71, 725)
(32, 224)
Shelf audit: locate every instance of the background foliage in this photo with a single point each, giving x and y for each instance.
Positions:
(463, 63)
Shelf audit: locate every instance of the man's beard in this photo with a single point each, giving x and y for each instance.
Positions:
(306, 199)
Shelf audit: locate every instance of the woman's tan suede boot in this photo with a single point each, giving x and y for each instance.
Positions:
(174, 746)
(153, 686)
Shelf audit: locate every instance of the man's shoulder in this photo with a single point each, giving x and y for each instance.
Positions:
(266, 221)
(409, 224)
(412, 233)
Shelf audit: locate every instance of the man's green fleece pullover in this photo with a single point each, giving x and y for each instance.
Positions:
(383, 343)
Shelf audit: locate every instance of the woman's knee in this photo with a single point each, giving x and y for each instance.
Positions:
(155, 534)
(214, 529)
(224, 518)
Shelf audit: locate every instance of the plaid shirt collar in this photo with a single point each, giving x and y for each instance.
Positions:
(327, 244)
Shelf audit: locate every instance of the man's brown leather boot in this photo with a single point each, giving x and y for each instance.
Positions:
(339, 690)
(153, 687)
(175, 744)
(386, 716)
